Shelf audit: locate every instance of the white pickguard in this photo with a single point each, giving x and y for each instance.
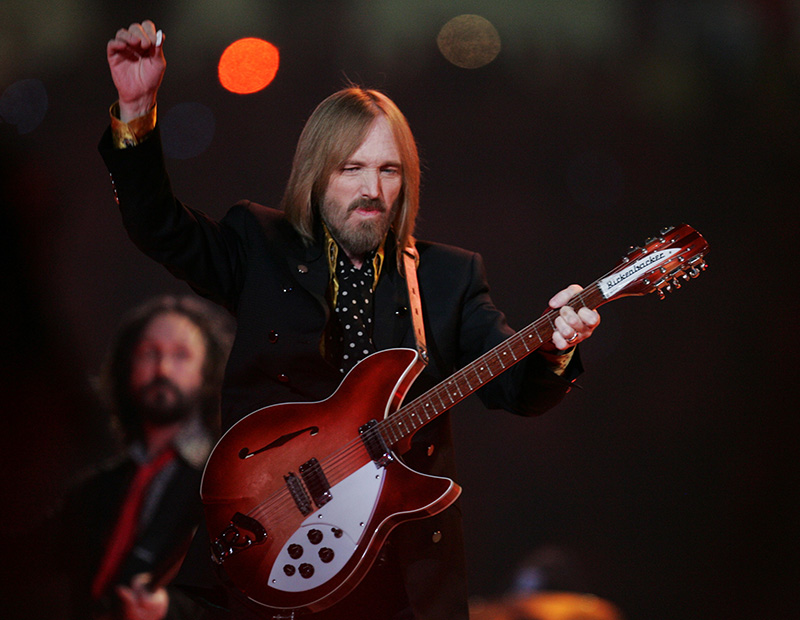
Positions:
(339, 526)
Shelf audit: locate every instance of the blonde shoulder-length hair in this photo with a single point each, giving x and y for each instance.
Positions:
(335, 130)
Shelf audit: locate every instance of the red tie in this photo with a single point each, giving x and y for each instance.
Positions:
(122, 538)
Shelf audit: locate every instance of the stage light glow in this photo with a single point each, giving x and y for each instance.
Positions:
(469, 41)
(248, 65)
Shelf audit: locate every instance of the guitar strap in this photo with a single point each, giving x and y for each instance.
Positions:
(410, 260)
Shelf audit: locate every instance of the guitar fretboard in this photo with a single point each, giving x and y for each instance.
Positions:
(410, 418)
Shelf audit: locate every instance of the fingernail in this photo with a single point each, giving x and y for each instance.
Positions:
(159, 36)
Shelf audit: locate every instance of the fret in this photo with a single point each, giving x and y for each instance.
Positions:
(389, 426)
(499, 359)
(453, 393)
(477, 374)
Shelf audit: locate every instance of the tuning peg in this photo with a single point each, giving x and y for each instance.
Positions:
(676, 283)
(665, 230)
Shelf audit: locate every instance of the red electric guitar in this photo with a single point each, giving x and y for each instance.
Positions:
(300, 497)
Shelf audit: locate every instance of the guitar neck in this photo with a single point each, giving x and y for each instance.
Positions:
(677, 253)
(416, 414)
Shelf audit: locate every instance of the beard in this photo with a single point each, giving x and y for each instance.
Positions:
(358, 236)
(162, 403)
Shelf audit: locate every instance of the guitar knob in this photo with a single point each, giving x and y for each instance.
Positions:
(295, 551)
(326, 555)
(306, 571)
(315, 536)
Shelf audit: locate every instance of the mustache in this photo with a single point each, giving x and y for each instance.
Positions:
(160, 382)
(375, 204)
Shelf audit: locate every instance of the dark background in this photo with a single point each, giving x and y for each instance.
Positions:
(668, 480)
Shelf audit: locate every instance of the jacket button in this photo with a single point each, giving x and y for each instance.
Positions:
(431, 448)
(437, 536)
(302, 269)
(283, 378)
(273, 336)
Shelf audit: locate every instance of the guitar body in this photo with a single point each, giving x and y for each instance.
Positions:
(318, 542)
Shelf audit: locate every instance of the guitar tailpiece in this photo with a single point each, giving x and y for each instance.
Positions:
(232, 539)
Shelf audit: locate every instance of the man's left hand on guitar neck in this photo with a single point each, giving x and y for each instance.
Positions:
(571, 326)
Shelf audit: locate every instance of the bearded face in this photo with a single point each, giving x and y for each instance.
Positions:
(362, 195)
(360, 226)
(167, 369)
(161, 402)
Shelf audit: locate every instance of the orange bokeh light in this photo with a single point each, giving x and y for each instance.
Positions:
(248, 65)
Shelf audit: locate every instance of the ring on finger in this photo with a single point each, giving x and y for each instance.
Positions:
(573, 337)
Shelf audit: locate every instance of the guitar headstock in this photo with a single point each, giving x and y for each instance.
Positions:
(676, 254)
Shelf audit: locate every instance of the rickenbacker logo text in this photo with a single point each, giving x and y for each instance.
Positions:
(618, 281)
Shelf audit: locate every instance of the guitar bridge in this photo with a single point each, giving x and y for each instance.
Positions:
(242, 533)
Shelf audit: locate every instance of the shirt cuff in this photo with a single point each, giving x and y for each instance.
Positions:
(125, 135)
(557, 360)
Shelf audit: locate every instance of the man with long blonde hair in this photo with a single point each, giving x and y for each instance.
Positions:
(320, 285)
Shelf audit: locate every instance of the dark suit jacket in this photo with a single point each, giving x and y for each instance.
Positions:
(255, 264)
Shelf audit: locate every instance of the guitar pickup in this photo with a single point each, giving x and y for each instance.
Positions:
(298, 493)
(316, 482)
(375, 444)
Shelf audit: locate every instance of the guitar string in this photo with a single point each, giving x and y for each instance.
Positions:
(403, 421)
(491, 362)
(342, 460)
(331, 466)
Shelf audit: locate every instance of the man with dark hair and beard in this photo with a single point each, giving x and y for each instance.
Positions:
(129, 520)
